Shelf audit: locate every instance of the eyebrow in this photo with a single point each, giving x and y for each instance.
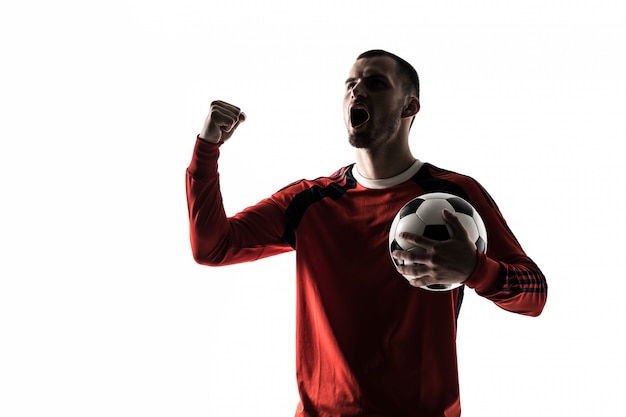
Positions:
(373, 75)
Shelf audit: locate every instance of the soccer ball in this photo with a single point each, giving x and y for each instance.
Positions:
(423, 216)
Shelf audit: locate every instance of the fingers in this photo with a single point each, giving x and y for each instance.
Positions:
(225, 115)
(226, 108)
(412, 256)
(418, 275)
(428, 245)
(415, 265)
(458, 231)
(414, 271)
(421, 282)
(418, 240)
(423, 275)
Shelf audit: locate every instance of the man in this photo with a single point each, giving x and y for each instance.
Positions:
(368, 343)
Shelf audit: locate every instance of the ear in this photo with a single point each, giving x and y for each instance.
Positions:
(412, 107)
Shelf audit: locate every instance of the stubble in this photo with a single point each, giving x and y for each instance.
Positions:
(375, 137)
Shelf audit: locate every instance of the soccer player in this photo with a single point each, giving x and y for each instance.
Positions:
(369, 343)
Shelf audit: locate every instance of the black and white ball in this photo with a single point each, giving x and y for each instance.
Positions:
(423, 216)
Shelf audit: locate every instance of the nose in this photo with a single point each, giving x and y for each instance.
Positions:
(357, 90)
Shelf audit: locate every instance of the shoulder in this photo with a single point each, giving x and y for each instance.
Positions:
(341, 177)
(306, 191)
(433, 174)
(433, 178)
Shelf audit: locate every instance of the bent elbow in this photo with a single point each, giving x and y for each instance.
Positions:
(539, 305)
(532, 307)
(205, 257)
(201, 259)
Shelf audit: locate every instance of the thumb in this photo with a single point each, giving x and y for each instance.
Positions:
(458, 230)
(241, 118)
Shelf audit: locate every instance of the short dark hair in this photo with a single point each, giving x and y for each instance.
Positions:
(411, 79)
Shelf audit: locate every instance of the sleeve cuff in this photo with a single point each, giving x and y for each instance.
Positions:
(485, 275)
(204, 159)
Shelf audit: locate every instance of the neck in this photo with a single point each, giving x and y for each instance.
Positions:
(385, 162)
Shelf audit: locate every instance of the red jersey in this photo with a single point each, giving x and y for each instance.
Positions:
(368, 343)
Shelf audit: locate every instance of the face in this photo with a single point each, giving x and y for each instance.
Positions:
(373, 103)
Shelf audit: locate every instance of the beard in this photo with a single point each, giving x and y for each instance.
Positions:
(373, 137)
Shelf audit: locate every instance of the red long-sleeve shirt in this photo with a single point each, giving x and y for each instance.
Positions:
(368, 344)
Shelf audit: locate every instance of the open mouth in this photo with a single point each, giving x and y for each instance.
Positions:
(358, 117)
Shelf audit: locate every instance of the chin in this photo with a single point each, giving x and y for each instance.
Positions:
(360, 141)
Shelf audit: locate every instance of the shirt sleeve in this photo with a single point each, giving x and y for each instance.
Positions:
(217, 239)
(505, 274)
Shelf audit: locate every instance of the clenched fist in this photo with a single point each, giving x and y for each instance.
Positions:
(221, 122)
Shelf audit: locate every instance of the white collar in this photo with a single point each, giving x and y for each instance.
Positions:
(386, 182)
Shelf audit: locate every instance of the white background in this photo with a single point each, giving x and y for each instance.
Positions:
(102, 309)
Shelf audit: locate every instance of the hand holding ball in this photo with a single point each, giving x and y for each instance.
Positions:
(423, 216)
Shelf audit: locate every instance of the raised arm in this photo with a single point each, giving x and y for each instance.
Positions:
(216, 239)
